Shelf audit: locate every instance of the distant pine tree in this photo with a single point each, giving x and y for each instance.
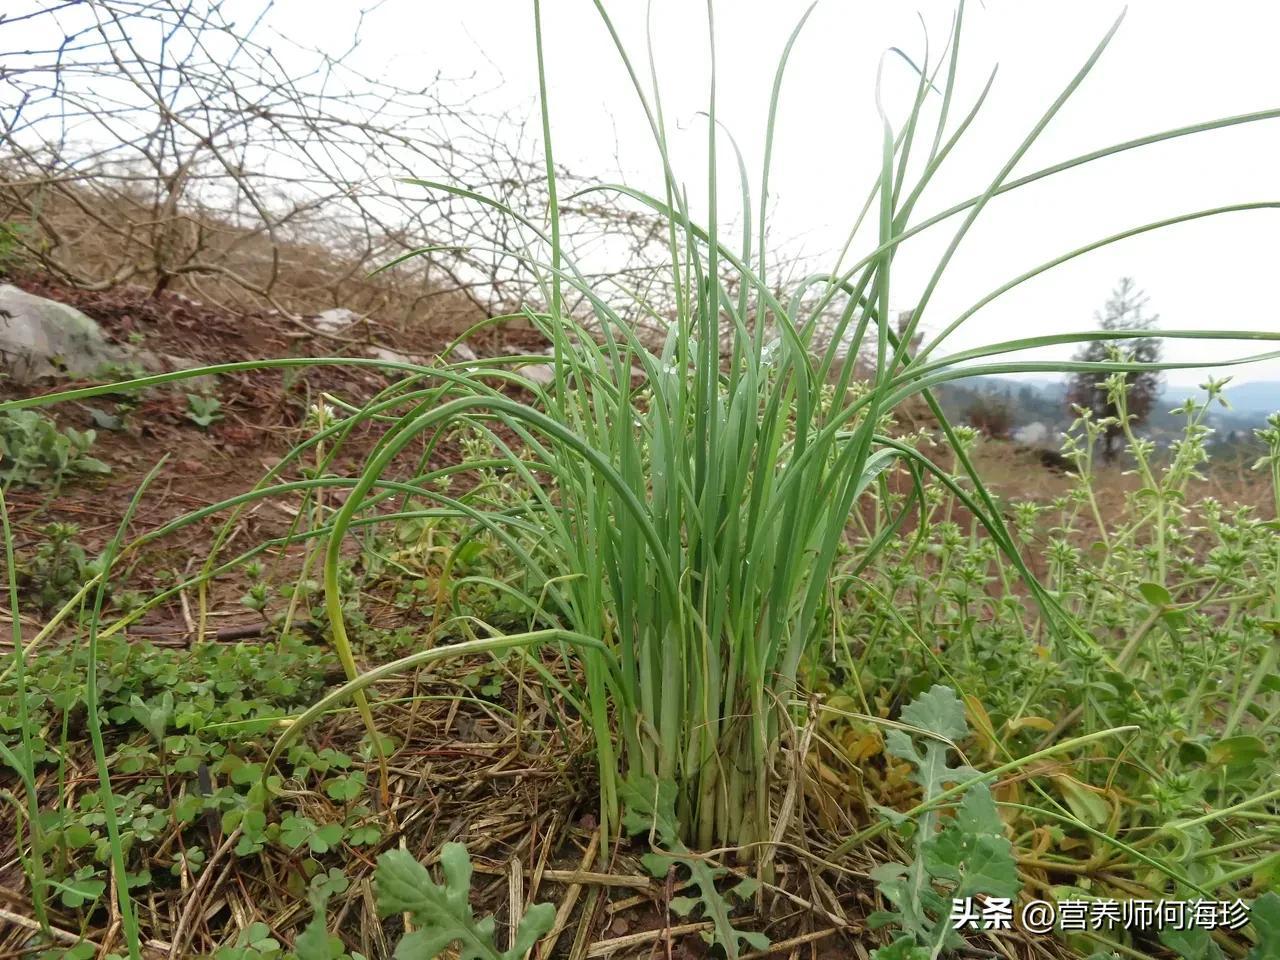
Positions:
(1124, 311)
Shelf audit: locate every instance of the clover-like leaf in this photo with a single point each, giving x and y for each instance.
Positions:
(83, 888)
(325, 838)
(315, 942)
(346, 788)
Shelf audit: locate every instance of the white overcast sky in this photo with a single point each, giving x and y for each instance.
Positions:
(1173, 62)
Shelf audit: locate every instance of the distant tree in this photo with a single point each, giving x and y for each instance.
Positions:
(1123, 311)
(991, 416)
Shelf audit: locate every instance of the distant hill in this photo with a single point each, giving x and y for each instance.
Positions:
(1042, 400)
(1254, 397)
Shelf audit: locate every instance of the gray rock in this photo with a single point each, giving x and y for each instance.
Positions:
(1034, 434)
(44, 338)
(387, 355)
(543, 374)
(338, 318)
(462, 352)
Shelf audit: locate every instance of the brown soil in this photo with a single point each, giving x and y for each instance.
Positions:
(262, 418)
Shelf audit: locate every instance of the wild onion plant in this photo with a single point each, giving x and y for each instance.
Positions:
(692, 517)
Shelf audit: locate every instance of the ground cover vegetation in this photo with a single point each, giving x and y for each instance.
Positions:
(697, 617)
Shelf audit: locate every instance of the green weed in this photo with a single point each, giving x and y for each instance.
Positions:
(203, 410)
(442, 912)
(58, 567)
(34, 452)
(11, 252)
(968, 856)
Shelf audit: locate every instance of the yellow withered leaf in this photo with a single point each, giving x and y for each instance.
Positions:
(1035, 723)
(862, 745)
(980, 720)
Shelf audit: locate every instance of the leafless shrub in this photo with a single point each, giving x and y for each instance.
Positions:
(990, 417)
(159, 142)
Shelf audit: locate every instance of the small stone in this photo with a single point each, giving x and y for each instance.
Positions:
(395, 356)
(543, 374)
(335, 319)
(462, 352)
